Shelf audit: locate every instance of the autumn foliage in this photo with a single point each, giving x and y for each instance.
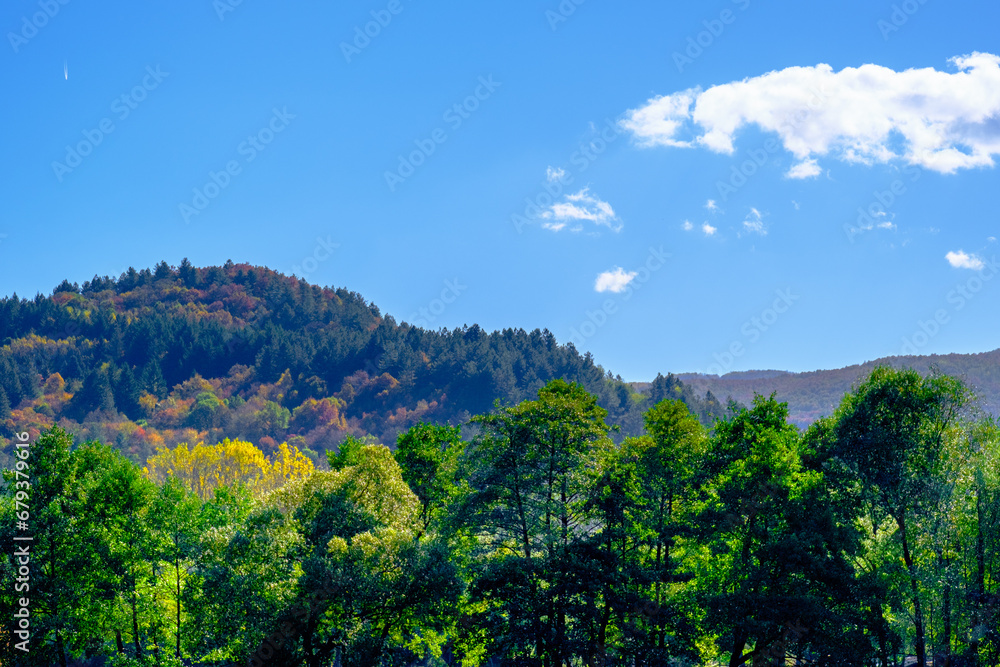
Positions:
(204, 468)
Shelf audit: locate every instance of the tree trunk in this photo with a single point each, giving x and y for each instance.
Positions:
(740, 637)
(177, 571)
(947, 622)
(61, 649)
(118, 642)
(980, 539)
(883, 650)
(918, 615)
(135, 628)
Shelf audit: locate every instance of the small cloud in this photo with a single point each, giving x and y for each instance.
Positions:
(687, 226)
(708, 229)
(754, 223)
(553, 175)
(580, 207)
(963, 260)
(614, 281)
(796, 205)
(879, 220)
(992, 239)
(712, 206)
(805, 169)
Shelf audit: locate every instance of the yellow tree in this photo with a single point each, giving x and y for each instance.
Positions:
(204, 468)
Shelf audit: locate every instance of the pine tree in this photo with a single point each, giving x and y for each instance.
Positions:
(187, 273)
(127, 392)
(152, 379)
(163, 272)
(95, 394)
(4, 405)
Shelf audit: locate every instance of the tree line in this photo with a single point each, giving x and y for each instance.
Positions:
(538, 540)
(181, 354)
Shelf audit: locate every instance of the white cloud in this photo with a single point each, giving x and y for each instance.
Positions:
(553, 175)
(577, 208)
(711, 206)
(939, 120)
(805, 169)
(754, 223)
(879, 220)
(708, 229)
(614, 281)
(963, 260)
(796, 205)
(992, 239)
(687, 226)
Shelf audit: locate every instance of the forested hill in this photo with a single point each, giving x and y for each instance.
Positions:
(815, 394)
(168, 355)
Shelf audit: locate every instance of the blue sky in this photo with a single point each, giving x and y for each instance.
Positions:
(415, 164)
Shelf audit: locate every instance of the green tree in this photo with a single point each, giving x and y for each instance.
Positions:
(532, 473)
(348, 451)
(58, 554)
(891, 431)
(126, 392)
(4, 406)
(177, 524)
(774, 572)
(428, 456)
(369, 588)
(95, 394)
(115, 514)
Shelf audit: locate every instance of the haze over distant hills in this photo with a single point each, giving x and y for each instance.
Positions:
(817, 393)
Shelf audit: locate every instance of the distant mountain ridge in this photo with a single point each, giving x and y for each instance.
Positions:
(815, 394)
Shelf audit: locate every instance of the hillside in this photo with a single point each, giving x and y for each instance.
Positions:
(815, 394)
(169, 355)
